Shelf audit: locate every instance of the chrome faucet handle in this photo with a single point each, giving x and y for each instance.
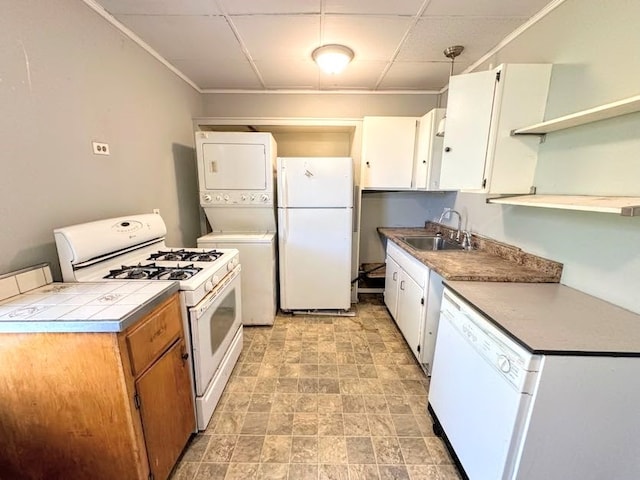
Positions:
(466, 240)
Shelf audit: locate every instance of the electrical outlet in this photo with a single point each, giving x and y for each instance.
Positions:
(100, 148)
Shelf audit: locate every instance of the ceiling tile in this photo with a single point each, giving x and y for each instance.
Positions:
(418, 75)
(294, 73)
(279, 36)
(485, 8)
(371, 38)
(373, 7)
(478, 35)
(178, 37)
(359, 74)
(252, 7)
(160, 7)
(232, 75)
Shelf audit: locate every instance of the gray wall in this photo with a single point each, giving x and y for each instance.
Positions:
(588, 42)
(68, 77)
(316, 106)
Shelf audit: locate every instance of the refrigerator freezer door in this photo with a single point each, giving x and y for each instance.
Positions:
(315, 258)
(315, 182)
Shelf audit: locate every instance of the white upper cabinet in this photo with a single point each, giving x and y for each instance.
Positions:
(401, 153)
(428, 158)
(388, 146)
(479, 153)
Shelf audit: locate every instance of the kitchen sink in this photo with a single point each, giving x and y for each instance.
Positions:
(431, 243)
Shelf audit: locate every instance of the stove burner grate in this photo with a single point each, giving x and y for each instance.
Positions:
(186, 256)
(152, 271)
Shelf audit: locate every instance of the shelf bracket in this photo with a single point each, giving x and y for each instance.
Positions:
(632, 211)
(542, 136)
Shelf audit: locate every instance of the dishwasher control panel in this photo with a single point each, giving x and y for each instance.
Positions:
(504, 354)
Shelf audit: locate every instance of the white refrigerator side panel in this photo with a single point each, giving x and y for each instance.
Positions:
(315, 182)
(315, 258)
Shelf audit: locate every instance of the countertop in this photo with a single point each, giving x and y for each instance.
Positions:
(554, 319)
(83, 307)
(490, 261)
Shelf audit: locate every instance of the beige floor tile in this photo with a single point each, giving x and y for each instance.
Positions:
(356, 424)
(305, 423)
(307, 403)
(353, 404)
(393, 472)
(438, 451)
(375, 404)
(242, 471)
(280, 424)
(381, 425)
(229, 423)
(332, 450)
(330, 424)
(333, 472)
(248, 449)
(414, 451)
(185, 471)
(348, 371)
(287, 385)
(196, 448)
(303, 472)
(272, 471)
(304, 450)
(308, 385)
(363, 472)
(360, 450)
(284, 402)
(220, 448)
(255, 424)
(211, 471)
(261, 403)
(448, 472)
(406, 425)
(423, 472)
(387, 450)
(276, 449)
(265, 385)
(330, 403)
(328, 385)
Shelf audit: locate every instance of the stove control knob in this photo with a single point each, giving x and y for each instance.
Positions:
(206, 198)
(214, 281)
(218, 198)
(504, 363)
(226, 198)
(208, 286)
(243, 197)
(264, 198)
(230, 266)
(253, 198)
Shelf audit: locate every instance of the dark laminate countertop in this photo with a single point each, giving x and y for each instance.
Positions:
(490, 261)
(555, 319)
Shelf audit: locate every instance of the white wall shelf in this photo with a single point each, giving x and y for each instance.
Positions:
(625, 206)
(602, 112)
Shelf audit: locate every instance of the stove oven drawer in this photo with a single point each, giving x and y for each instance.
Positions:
(154, 334)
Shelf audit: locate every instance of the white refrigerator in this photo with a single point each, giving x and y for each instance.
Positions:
(315, 224)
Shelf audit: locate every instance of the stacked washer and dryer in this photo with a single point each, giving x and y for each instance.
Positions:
(236, 180)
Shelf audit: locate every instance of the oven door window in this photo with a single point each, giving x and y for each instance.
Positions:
(213, 330)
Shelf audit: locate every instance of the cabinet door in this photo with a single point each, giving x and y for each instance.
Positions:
(466, 135)
(391, 286)
(426, 169)
(410, 311)
(388, 147)
(166, 409)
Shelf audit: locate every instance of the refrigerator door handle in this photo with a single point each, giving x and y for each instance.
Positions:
(282, 232)
(283, 193)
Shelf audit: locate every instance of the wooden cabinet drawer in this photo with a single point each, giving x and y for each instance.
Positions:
(154, 334)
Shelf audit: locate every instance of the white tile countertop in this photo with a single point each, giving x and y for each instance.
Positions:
(109, 306)
(554, 319)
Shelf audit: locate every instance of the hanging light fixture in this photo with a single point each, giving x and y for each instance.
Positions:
(449, 52)
(332, 59)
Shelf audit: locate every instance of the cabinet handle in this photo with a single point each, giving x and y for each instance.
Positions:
(447, 149)
(185, 356)
(424, 161)
(368, 165)
(395, 276)
(402, 285)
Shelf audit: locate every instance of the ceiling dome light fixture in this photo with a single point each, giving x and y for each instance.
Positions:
(332, 59)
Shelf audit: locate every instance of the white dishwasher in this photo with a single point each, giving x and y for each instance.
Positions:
(548, 412)
(480, 390)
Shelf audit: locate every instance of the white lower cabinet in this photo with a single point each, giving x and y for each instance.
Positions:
(412, 294)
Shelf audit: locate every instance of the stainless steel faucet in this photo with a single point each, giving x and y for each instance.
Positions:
(447, 212)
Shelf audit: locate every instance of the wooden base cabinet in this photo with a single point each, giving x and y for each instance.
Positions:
(96, 405)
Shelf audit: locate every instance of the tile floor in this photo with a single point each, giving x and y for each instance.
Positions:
(332, 398)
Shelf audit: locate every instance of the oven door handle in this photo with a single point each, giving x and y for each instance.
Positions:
(214, 294)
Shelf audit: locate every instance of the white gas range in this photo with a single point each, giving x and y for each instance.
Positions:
(134, 248)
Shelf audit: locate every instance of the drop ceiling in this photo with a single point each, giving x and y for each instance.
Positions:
(260, 45)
